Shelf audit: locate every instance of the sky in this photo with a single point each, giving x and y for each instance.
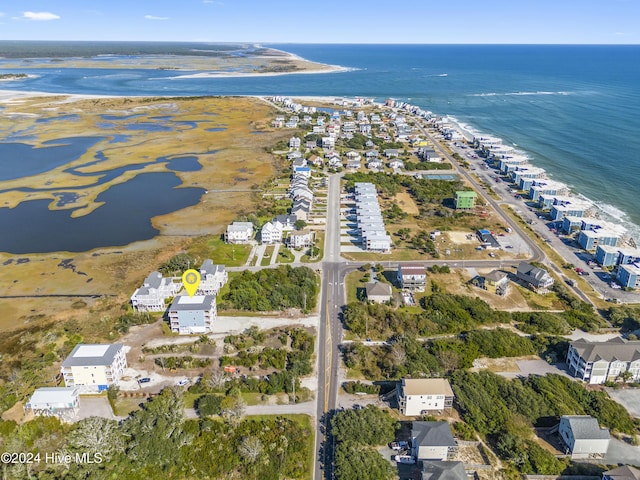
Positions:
(327, 21)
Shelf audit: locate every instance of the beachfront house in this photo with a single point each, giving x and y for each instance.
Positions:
(412, 276)
(212, 278)
(583, 437)
(239, 232)
(192, 315)
(93, 367)
(432, 441)
(294, 142)
(420, 396)
(152, 295)
(60, 402)
(599, 362)
(534, 277)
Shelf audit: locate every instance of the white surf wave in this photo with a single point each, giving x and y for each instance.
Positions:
(517, 94)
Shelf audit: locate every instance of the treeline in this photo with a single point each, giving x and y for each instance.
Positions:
(272, 289)
(356, 433)
(407, 356)
(157, 442)
(506, 410)
(448, 313)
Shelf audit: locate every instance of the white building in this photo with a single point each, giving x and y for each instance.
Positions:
(153, 293)
(239, 232)
(93, 367)
(598, 362)
(300, 239)
(583, 437)
(412, 276)
(212, 278)
(419, 396)
(271, 232)
(192, 315)
(60, 402)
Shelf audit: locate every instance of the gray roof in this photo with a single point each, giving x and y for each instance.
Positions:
(623, 473)
(284, 219)
(614, 349)
(186, 303)
(440, 470)
(495, 275)
(154, 280)
(586, 427)
(378, 288)
(436, 434)
(90, 355)
(209, 268)
(239, 226)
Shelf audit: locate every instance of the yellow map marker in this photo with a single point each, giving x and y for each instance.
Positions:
(191, 281)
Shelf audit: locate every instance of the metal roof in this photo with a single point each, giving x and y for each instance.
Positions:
(90, 355)
(586, 427)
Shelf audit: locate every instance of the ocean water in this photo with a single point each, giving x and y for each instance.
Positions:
(572, 109)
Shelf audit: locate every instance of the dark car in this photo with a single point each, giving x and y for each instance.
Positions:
(144, 380)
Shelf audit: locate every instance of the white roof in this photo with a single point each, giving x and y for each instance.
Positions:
(186, 300)
(53, 395)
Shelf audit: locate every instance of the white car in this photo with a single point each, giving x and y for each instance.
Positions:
(408, 459)
(183, 382)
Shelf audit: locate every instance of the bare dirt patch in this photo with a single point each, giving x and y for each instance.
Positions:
(407, 203)
(461, 238)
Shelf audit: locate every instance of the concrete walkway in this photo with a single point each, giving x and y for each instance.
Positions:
(274, 256)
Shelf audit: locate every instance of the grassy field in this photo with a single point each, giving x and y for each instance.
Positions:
(266, 257)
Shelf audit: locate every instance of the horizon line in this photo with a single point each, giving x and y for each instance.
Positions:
(227, 42)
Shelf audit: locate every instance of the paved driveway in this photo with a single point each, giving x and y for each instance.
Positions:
(622, 453)
(95, 406)
(628, 398)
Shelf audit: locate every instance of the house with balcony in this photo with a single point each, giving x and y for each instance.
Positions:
(420, 396)
(152, 295)
(192, 315)
(412, 276)
(583, 437)
(599, 362)
(60, 402)
(91, 368)
(629, 275)
(239, 232)
(271, 233)
(432, 441)
(212, 278)
(534, 277)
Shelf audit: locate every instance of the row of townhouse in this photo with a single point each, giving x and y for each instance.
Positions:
(600, 362)
(369, 219)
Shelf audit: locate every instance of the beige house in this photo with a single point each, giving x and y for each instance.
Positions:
(378, 292)
(93, 367)
(418, 396)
